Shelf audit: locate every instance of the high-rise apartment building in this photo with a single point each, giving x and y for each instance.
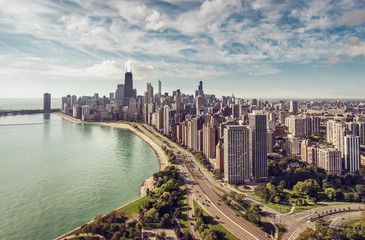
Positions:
(297, 126)
(352, 158)
(293, 145)
(166, 120)
(330, 160)
(236, 154)
(362, 133)
(209, 140)
(294, 107)
(258, 148)
(47, 102)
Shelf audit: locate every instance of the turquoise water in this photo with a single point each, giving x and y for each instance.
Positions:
(57, 175)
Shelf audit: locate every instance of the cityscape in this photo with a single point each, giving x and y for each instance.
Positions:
(245, 146)
(182, 119)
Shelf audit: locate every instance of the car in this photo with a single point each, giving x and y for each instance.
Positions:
(219, 204)
(203, 203)
(216, 217)
(207, 205)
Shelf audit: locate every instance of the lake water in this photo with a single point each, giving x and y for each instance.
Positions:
(27, 103)
(57, 175)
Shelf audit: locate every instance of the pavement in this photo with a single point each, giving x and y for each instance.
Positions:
(201, 184)
(202, 190)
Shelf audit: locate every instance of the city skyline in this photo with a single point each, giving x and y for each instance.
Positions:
(252, 49)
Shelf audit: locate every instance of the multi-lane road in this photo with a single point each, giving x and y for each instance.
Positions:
(201, 188)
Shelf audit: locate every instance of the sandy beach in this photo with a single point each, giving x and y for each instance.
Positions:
(162, 158)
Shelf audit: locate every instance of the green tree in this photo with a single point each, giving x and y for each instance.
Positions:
(331, 193)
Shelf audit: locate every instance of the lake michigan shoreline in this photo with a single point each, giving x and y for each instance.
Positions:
(161, 157)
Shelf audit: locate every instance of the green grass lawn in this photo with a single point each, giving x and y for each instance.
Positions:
(281, 230)
(222, 233)
(183, 208)
(282, 208)
(133, 207)
(128, 209)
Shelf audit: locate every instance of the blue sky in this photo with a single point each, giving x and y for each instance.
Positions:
(263, 49)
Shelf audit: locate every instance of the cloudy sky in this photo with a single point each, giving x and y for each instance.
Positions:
(263, 48)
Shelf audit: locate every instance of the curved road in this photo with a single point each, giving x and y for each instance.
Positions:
(201, 188)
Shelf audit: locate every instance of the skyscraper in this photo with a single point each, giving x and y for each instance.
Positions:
(178, 101)
(47, 102)
(352, 153)
(159, 87)
(294, 107)
(119, 94)
(166, 120)
(258, 148)
(128, 88)
(200, 89)
(236, 154)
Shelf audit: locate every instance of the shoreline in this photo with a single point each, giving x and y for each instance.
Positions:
(160, 154)
(161, 157)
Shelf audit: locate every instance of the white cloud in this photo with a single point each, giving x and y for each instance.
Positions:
(352, 18)
(356, 47)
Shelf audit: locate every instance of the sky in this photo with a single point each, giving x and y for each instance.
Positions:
(261, 49)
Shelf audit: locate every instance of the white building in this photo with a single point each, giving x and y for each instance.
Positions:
(352, 153)
(166, 120)
(330, 159)
(236, 154)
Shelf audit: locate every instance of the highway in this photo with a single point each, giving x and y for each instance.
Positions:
(207, 198)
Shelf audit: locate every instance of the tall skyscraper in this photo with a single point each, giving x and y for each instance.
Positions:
(199, 104)
(200, 89)
(294, 107)
(362, 133)
(47, 102)
(166, 120)
(119, 94)
(258, 148)
(128, 88)
(236, 154)
(178, 101)
(352, 153)
(159, 87)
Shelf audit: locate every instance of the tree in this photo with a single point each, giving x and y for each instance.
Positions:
(331, 193)
(152, 215)
(362, 218)
(360, 189)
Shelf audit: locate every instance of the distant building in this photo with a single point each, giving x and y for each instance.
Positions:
(159, 87)
(128, 88)
(209, 141)
(166, 120)
(236, 154)
(294, 107)
(293, 145)
(47, 102)
(119, 94)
